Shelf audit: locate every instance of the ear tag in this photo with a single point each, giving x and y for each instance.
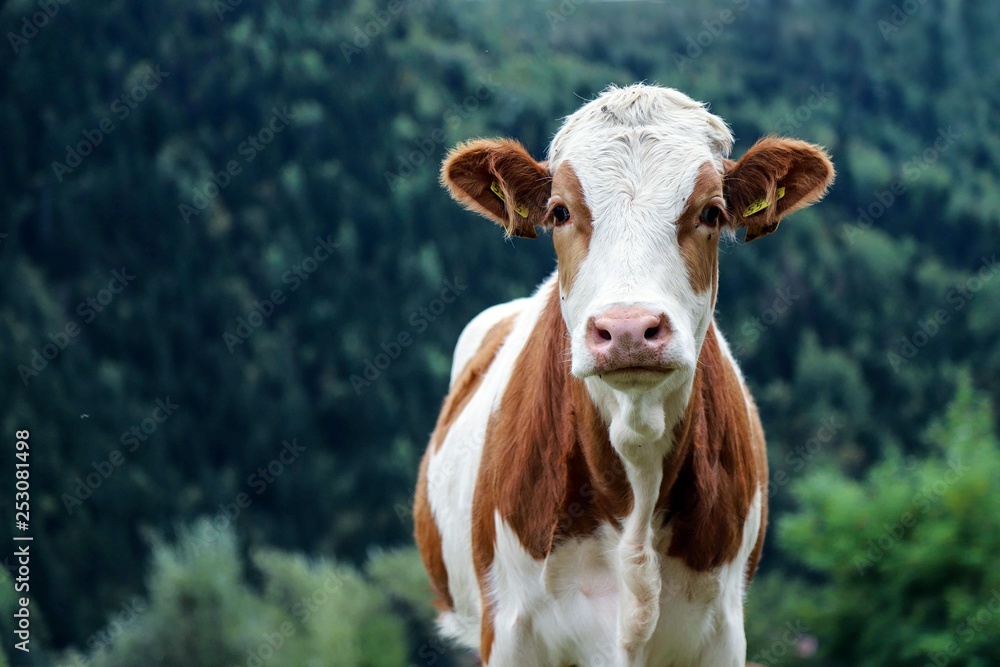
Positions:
(521, 210)
(758, 205)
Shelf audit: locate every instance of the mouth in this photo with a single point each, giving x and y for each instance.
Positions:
(635, 377)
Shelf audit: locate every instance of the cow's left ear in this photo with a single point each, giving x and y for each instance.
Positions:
(777, 176)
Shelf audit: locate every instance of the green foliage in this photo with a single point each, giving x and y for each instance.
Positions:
(203, 609)
(908, 555)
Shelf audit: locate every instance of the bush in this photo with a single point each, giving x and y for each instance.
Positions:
(908, 554)
(204, 610)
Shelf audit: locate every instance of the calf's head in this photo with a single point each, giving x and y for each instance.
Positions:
(637, 191)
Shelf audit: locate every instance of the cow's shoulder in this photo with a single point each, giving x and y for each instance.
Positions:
(473, 336)
(757, 444)
(719, 465)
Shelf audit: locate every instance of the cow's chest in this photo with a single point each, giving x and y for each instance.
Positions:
(581, 606)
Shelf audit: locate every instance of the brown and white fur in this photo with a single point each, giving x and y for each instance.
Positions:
(594, 492)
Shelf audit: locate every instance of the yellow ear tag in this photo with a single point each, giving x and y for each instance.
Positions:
(522, 210)
(758, 205)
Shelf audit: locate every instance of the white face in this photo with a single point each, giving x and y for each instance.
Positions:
(639, 175)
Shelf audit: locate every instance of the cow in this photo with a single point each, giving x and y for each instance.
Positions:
(594, 490)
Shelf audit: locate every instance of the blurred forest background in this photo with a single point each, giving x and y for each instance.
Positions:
(215, 214)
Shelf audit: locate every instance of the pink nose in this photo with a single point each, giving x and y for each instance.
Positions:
(628, 336)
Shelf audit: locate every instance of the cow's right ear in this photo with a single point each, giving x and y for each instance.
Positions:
(498, 179)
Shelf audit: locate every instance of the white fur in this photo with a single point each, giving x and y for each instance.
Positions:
(475, 331)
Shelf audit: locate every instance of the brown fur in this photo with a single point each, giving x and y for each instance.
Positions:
(714, 470)
(426, 532)
(759, 446)
(698, 242)
(804, 170)
(471, 168)
(572, 240)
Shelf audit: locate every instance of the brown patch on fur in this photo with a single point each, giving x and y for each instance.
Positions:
(485, 636)
(471, 168)
(759, 446)
(548, 467)
(712, 474)
(470, 378)
(428, 539)
(803, 169)
(699, 243)
(571, 241)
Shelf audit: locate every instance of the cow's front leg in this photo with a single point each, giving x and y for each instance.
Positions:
(729, 646)
(509, 640)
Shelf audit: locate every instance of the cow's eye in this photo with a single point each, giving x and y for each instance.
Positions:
(560, 214)
(710, 215)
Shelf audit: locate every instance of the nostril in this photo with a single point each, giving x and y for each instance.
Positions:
(604, 334)
(659, 331)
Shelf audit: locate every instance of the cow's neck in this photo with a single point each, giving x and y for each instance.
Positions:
(593, 478)
(640, 424)
(678, 459)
